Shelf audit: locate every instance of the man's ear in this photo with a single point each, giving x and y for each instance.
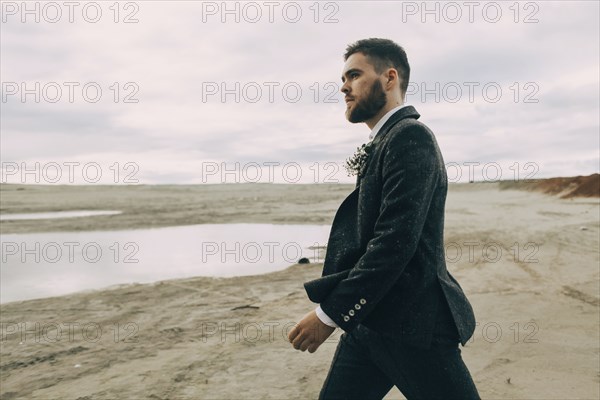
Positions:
(392, 76)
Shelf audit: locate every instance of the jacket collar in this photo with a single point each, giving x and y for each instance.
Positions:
(405, 112)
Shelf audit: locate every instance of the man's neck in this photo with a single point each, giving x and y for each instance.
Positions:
(373, 121)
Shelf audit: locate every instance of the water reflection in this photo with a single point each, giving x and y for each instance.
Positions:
(56, 214)
(49, 264)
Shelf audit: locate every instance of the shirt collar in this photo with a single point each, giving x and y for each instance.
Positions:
(383, 120)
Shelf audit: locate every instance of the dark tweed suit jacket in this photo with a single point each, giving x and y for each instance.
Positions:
(385, 264)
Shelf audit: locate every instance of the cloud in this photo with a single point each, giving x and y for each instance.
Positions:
(170, 60)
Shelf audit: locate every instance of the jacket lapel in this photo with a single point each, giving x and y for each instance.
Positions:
(343, 236)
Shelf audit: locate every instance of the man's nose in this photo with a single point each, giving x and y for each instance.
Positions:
(345, 89)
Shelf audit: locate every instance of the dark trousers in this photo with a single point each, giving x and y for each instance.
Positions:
(366, 365)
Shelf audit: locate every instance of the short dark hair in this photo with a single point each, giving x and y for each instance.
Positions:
(383, 53)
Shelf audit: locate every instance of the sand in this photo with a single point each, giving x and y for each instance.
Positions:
(224, 338)
(153, 206)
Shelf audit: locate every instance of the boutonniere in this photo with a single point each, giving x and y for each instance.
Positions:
(355, 165)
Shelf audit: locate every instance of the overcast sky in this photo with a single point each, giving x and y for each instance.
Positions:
(202, 89)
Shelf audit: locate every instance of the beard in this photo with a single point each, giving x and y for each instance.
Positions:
(370, 106)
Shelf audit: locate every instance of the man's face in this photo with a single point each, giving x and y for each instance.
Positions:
(365, 95)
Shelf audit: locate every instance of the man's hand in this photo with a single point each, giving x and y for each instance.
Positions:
(309, 333)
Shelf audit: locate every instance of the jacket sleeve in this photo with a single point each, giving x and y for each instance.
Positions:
(410, 174)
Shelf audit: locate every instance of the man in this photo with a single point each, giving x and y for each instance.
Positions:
(384, 280)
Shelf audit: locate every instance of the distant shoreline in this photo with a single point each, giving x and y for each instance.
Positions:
(151, 206)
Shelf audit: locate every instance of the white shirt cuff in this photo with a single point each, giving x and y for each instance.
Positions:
(325, 319)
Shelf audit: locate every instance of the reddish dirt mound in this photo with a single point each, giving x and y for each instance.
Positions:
(577, 186)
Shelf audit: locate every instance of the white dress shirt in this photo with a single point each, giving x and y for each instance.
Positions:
(320, 313)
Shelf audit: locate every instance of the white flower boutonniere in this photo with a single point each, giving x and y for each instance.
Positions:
(355, 165)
